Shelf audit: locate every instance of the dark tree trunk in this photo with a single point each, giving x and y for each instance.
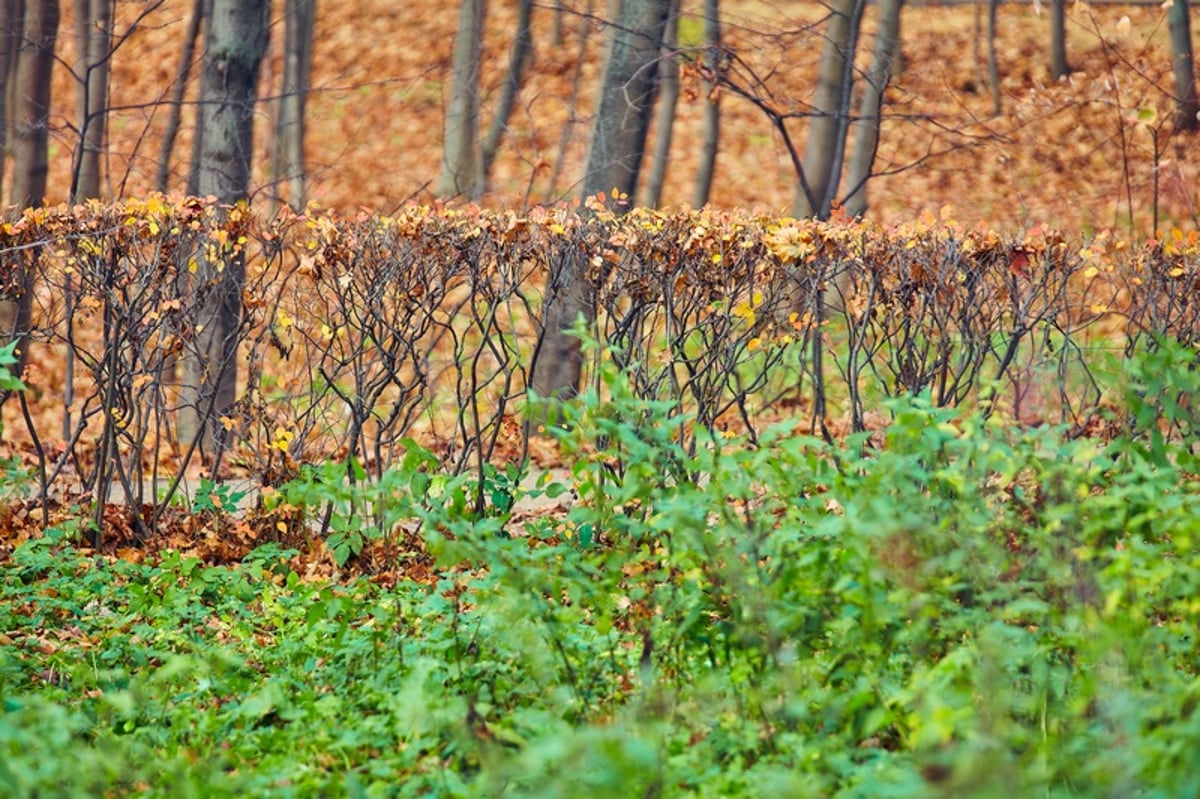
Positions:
(233, 52)
(193, 181)
(1186, 105)
(10, 40)
(175, 110)
(30, 108)
(1059, 68)
(627, 94)
(618, 143)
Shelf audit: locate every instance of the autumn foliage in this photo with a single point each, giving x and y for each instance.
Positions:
(363, 333)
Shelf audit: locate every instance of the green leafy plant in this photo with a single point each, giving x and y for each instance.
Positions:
(214, 497)
(955, 607)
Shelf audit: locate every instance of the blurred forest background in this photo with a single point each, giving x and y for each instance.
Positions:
(1094, 149)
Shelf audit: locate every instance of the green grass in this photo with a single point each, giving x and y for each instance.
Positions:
(972, 610)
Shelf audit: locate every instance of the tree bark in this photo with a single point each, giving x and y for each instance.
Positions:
(556, 31)
(518, 64)
(866, 143)
(1186, 105)
(30, 148)
(1059, 68)
(193, 181)
(573, 120)
(287, 157)
(31, 111)
(234, 48)
(993, 59)
(824, 151)
(460, 174)
(93, 31)
(668, 97)
(175, 109)
(619, 131)
(711, 120)
(10, 39)
(627, 93)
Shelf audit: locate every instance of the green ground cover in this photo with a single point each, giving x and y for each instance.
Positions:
(958, 607)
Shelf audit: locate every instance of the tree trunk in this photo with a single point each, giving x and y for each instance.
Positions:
(993, 59)
(518, 63)
(573, 120)
(193, 181)
(711, 121)
(1058, 40)
(866, 143)
(668, 96)
(233, 51)
(627, 92)
(93, 32)
(619, 131)
(287, 157)
(556, 31)
(175, 109)
(30, 108)
(1186, 106)
(10, 39)
(460, 175)
(824, 151)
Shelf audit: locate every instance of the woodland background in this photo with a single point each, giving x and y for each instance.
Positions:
(1064, 154)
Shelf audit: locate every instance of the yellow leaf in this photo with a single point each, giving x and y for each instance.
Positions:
(743, 311)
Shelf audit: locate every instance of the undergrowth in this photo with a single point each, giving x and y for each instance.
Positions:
(963, 608)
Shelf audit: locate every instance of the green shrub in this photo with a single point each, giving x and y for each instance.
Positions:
(967, 609)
